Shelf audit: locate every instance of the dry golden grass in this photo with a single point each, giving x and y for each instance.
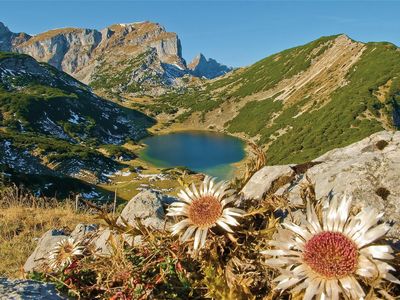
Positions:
(25, 218)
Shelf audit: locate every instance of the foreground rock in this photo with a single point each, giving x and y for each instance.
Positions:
(45, 244)
(146, 207)
(267, 180)
(368, 170)
(27, 290)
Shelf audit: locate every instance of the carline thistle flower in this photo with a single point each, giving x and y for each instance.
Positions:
(203, 209)
(64, 253)
(326, 259)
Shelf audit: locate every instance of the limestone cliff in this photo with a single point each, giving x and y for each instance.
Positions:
(134, 58)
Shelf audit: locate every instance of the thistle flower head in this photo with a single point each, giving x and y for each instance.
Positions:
(203, 209)
(64, 253)
(326, 259)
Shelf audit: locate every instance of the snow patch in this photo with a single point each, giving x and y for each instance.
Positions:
(178, 66)
(129, 24)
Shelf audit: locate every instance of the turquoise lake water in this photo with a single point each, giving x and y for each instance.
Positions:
(201, 151)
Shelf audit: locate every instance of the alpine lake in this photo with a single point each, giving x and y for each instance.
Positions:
(207, 152)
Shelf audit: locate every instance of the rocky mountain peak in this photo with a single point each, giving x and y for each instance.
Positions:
(208, 68)
(148, 56)
(9, 39)
(199, 58)
(3, 28)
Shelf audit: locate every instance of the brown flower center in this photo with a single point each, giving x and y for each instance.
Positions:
(331, 254)
(205, 211)
(65, 251)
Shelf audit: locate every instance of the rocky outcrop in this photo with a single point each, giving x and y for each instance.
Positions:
(368, 170)
(81, 231)
(133, 58)
(66, 49)
(73, 49)
(85, 233)
(27, 290)
(207, 68)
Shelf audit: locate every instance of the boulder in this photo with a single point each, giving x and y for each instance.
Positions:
(102, 242)
(46, 244)
(148, 208)
(27, 290)
(368, 170)
(265, 181)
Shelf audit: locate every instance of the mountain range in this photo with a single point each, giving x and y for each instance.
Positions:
(299, 103)
(139, 58)
(56, 87)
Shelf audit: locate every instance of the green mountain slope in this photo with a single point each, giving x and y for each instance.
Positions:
(52, 125)
(301, 102)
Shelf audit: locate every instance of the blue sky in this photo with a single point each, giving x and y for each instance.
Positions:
(236, 33)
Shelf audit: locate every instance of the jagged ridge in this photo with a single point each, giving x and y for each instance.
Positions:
(132, 59)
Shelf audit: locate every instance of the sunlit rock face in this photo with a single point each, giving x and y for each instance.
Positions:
(133, 58)
(368, 170)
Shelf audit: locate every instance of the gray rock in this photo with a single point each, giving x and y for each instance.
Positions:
(154, 54)
(264, 181)
(82, 230)
(102, 243)
(147, 207)
(46, 243)
(370, 174)
(133, 240)
(292, 190)
(27, 290)
(369, 170)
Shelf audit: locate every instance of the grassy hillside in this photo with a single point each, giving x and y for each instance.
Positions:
(26, 218)
(38, 98)
(52, 125)
(303, 101)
